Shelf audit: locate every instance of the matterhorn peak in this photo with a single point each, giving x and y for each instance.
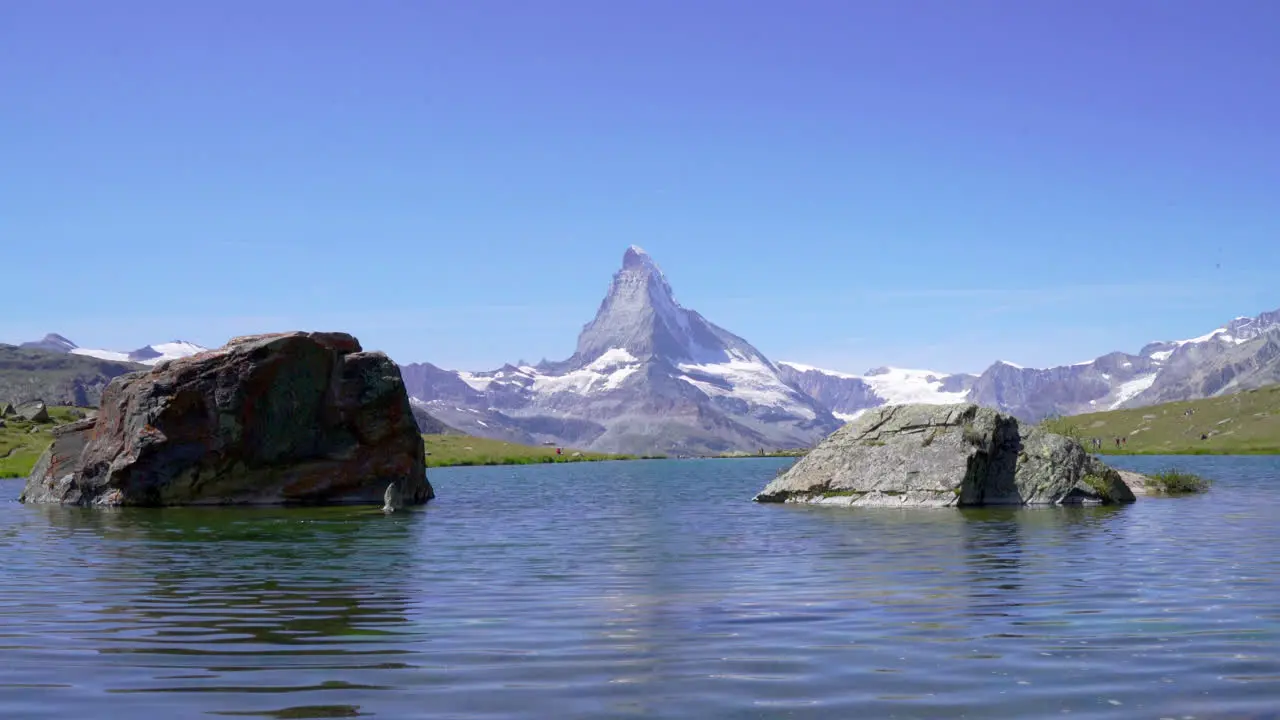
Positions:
(635, 258)
(640, 315)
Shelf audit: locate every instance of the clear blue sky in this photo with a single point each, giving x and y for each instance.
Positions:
(849, 184)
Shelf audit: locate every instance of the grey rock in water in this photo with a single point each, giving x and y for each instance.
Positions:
(944, 456)
(303, 418)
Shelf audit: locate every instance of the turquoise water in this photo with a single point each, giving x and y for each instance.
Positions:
(648, 589)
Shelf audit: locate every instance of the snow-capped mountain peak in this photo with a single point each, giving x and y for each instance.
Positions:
(640, 315)
(647, 375)
(53, 342)
(146, 355)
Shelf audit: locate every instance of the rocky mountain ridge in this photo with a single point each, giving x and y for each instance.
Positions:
(1239, 355)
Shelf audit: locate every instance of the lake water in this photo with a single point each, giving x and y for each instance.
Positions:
(648, 589)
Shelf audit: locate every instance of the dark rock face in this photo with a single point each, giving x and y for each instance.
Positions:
(268, 419)
(942, 456)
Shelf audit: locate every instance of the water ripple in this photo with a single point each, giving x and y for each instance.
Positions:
(647, 589)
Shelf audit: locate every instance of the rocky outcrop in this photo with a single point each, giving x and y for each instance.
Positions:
(8, 410)
(946, 455)
(33, 411)
(267, 419)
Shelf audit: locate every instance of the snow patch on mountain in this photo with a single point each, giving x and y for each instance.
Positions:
(600, 375)
(476, 381)
(101, 354)
(1132, 388)
(747, 379)
(809, 368)
(149, 355)
(896, 386)
(900, 386)
(1220, 334)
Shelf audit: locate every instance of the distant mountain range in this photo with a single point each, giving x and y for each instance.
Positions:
(1238, 356)
(146, 355)
(649, 375)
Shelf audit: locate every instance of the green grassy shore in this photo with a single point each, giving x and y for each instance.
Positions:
(20, 447)
(1246, 423)
(455, 450)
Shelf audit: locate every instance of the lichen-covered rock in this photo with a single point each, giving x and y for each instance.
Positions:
(267, 419)
(942, 456)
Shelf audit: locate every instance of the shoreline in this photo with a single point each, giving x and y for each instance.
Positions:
(1191, 453)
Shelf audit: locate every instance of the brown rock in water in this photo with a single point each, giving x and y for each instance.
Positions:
(268, 419)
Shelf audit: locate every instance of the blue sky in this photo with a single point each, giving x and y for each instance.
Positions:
(848, 184)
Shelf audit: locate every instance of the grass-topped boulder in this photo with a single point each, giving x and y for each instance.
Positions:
(943, 456)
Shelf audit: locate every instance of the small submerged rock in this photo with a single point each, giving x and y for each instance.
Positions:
(944, 456)
(286, 418)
